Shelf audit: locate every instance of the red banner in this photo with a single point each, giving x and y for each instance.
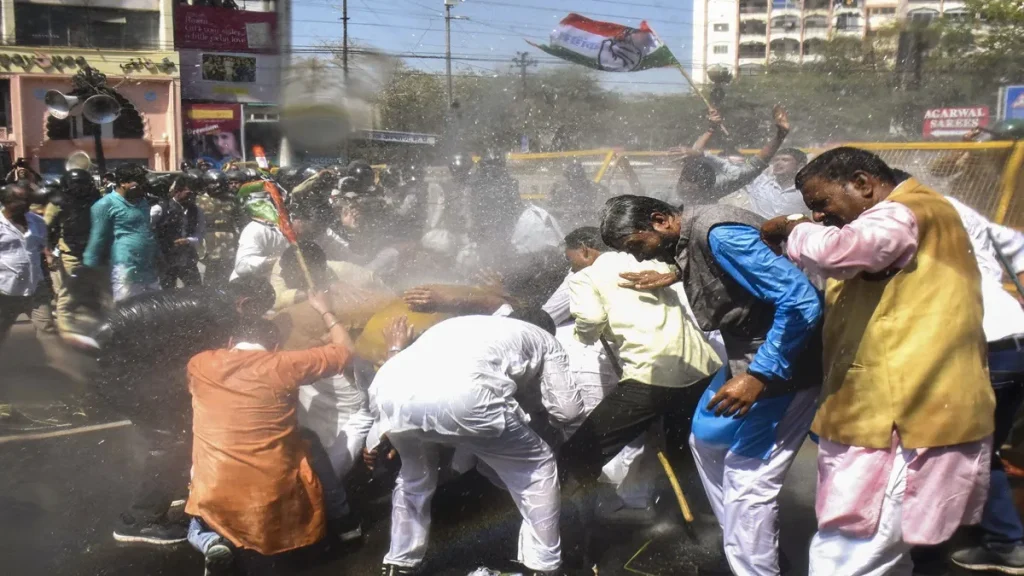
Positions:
(224, 29)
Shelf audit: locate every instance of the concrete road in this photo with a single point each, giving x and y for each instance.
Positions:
(63, 484)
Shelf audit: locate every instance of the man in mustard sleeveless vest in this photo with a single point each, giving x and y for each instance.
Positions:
(906, 412)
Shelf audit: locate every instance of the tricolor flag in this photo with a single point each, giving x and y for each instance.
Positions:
(607, 46)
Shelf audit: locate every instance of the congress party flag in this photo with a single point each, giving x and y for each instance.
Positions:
(607, 46)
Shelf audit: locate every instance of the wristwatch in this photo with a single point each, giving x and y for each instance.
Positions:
(795, 217)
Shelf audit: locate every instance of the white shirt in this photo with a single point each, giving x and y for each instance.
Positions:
(536, 230)
(21, 269)
(658, 343)
(259, 247)
(769, 199)
(1004, 316)
(463, 376)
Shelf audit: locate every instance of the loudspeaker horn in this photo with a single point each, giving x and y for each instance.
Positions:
(58, 104)
(101, 109)
(78, 160)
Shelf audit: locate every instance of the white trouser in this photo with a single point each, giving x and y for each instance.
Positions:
(884, 554)
(744, 491)
(523, 462)
(337, 411)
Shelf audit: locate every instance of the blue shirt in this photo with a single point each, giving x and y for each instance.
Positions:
(120, 235)
(738, 249)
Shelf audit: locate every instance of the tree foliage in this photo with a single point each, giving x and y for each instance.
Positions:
(856, 91)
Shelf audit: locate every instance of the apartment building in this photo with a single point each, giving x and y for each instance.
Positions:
(743, 36)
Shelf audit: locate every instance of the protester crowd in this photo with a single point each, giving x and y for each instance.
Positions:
(270, 333)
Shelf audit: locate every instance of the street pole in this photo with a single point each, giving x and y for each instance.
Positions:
(448, 48)
(523, 62)
(101, 160)
(344, 38)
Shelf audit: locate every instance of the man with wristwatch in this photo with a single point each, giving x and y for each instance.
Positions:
(747, 430)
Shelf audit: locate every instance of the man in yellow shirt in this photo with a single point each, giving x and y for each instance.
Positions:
(660, 349)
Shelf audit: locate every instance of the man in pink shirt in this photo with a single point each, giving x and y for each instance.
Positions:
(906, 415)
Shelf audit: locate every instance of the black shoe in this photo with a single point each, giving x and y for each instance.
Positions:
(157, 533)
(1008, 560)
(219, 559)
(346, 529)
(392, 570)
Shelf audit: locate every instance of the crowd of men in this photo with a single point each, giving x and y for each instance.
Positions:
(270, 332)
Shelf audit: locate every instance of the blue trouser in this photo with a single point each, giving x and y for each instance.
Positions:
(1000, 522)
(201, 537)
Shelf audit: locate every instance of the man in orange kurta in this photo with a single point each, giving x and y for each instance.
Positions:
(253, 482)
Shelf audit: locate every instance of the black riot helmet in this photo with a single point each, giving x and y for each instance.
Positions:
(50, 191)
(235, 176)
(362, 172)
(251, 174)
(78, 184)
(158, 185)
(390, 177)
(215, 183)
(291, 176)
(460, 166)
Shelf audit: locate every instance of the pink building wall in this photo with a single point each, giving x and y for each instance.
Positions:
(157, 100)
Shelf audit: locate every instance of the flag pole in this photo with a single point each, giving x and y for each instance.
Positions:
(693, 85)
(286, 227)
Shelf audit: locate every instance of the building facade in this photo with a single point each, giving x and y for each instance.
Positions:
(45, 42)
(743, 36)
(231, 70)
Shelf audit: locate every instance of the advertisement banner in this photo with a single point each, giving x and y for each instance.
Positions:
(953, 122)
(229, 77)
(213, 132)
(224, 29)
(1011, 103)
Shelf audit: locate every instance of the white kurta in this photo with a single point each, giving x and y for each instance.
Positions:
(259, 247)
(468, 383)
(462, 376)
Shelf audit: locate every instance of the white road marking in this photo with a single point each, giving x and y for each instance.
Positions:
(65, 432)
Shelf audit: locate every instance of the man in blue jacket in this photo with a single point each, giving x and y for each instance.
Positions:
(747, 430)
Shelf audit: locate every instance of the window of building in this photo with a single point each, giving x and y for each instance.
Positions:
(721, 27)
(882, 11)
(923, 15)
(815, 22)
(788, 23)
(756, 27)
(5, 103)
(785, 4)
(752, 50)
(85, 27)
(753, 6)
(848, 22)
(816, 4)
(720, 49)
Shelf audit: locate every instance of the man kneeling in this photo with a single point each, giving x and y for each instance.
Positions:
(255, 482)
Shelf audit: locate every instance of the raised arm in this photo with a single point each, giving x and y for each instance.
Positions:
(754, 166)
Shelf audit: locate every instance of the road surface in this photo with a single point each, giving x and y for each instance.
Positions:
(65, 478)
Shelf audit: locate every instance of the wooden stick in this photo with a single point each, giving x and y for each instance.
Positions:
(684, 506)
